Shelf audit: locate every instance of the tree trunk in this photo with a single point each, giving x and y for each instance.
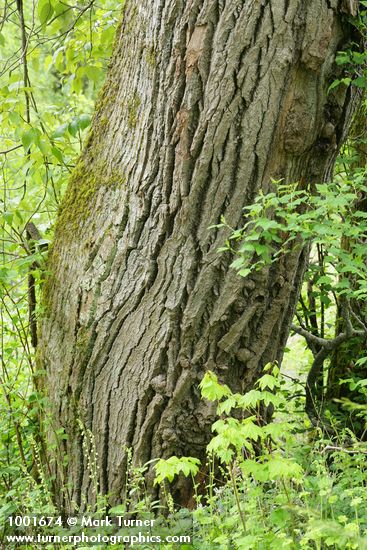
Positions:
(204, 103)
(343, 360)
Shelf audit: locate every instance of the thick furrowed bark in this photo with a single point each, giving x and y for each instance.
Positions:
(204, 103)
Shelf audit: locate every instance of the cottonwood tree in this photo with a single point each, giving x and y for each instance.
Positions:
(204, 103)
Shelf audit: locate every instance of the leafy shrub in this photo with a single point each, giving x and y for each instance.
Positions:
(282, 487)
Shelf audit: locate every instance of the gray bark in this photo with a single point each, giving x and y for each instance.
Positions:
(205, 102)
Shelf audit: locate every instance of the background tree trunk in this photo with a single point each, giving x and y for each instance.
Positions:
(205, 101)
(344, 358)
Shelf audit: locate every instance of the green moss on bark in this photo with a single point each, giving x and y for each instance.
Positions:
(132, 109)
(151, 57)
(79, 199)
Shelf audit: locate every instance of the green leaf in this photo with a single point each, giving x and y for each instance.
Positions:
(361, 361)
(324, 280)
(360, 82)
(76, 83)
(78, 123)
(211, 389)
(227, 405)
(237, 263)
(281, 468)
(256, 469)
(84, 121)
(58, 154)
(42, 145)
(45, 11)
(244, 272)
(246, 543)
(277, 429)
(28, 138)
(334, 85)
(267, 381)
(15, 118)
(250, 430)
(280, 516)
(170, 468)
(59, 7)
(118, 510)
(73, 127)
(224, 453)
(93, 73)
(8, 217)
(60, 131)
(250, 400)
(48, 62)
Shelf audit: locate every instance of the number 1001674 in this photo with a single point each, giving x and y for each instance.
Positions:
(34, 521)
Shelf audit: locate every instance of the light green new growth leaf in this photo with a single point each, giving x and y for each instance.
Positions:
(255, 469)
(211, 389)
(237, 263)
(173, 466)
(277, 429)
(250, 400)
(249, 430)
(267, 381)
(281, 468)
(227, 405)
(244, 272)
(221, 448)
(221, 424)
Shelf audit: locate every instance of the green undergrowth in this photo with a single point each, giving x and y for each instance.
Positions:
(273, 485)
(284, 485)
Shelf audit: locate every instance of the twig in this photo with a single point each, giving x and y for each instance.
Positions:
(10, 150)
(349, 451)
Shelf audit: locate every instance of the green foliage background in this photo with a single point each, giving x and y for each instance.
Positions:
(53, 60)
